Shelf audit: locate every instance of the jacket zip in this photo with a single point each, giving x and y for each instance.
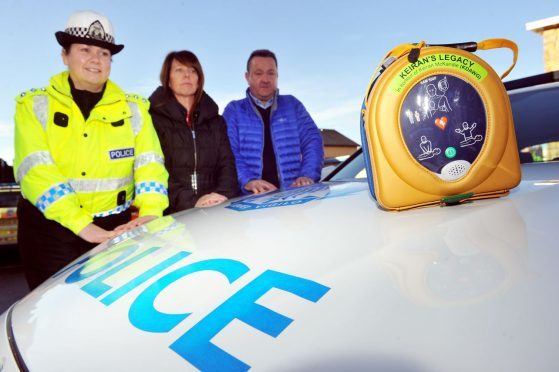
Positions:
(194, 175)
(280, 179)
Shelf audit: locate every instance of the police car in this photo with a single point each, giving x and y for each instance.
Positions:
(315, 278)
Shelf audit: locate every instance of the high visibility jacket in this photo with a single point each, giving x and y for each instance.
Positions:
(73, 170)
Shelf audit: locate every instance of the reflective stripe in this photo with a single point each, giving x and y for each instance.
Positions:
(101, 184)
(52, 195)
(130, 234)
(117, 210)
(146, 187)
(172, 227)
(32, 160)
(41, 109)
(136, 119)
(147, 158)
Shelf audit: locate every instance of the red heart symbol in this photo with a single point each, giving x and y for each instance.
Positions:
(441, 123)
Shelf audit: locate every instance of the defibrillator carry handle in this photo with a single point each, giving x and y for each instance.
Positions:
(413, 51)
(501, 43)
(472, 46)
(469, 46)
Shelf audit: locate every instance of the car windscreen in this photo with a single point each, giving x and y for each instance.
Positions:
(351, 169)
(536, 119)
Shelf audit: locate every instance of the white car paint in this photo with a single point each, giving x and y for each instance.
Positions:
(462, 288)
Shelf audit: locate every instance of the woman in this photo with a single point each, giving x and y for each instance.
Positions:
(193, 136)
(85, 152)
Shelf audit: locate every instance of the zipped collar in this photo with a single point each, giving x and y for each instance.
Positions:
(272, 102)
(164, 104)
(59, 88)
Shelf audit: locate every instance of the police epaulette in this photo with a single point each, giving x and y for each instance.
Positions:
(136, 98)
(31, 92)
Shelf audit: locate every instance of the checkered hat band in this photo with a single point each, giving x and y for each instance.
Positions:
(83, 32)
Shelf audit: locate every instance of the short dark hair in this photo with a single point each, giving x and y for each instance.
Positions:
(187, 58)
(262, 53)
(68, 47)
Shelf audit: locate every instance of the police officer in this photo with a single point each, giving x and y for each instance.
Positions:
(85, 152)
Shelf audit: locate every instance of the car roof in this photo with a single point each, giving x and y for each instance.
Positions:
(534, 80)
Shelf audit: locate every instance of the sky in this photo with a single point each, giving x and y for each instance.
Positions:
(327, 50)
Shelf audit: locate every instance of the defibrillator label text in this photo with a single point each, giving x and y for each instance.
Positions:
(426, 63)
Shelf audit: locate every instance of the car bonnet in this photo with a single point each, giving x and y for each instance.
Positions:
(317, 277)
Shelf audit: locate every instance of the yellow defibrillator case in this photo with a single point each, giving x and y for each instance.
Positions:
(437, 127)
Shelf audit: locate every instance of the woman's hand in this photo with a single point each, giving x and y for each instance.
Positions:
(133, 224)
(209, 200)
(95, 234)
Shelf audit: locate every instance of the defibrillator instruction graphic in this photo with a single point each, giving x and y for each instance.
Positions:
(427, 148)
(436, 100)
(467, 131)
(443, 120)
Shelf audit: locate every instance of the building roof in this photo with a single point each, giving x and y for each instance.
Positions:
(543, 24)
(332, 137)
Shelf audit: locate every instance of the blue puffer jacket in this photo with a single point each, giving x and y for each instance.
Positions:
(296, 138)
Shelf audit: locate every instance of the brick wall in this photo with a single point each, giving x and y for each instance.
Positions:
(551, 49)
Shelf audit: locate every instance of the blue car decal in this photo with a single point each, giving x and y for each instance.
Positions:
(93, 275)
(293, 196)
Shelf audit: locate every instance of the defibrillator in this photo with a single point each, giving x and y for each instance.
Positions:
(437, 127)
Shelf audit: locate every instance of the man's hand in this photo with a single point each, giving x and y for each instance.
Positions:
(95, 234)
(302, 181)
(259, 186)
(133, 224)
(209, 200)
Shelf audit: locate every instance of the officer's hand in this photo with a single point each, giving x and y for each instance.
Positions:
(259, 186)
(133, 224)
(95, 234)
(302, 181)
(210, 200)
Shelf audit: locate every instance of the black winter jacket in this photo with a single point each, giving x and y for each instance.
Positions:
(199, 161)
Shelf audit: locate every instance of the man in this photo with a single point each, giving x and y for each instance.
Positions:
(275, 141)
(85, 152)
